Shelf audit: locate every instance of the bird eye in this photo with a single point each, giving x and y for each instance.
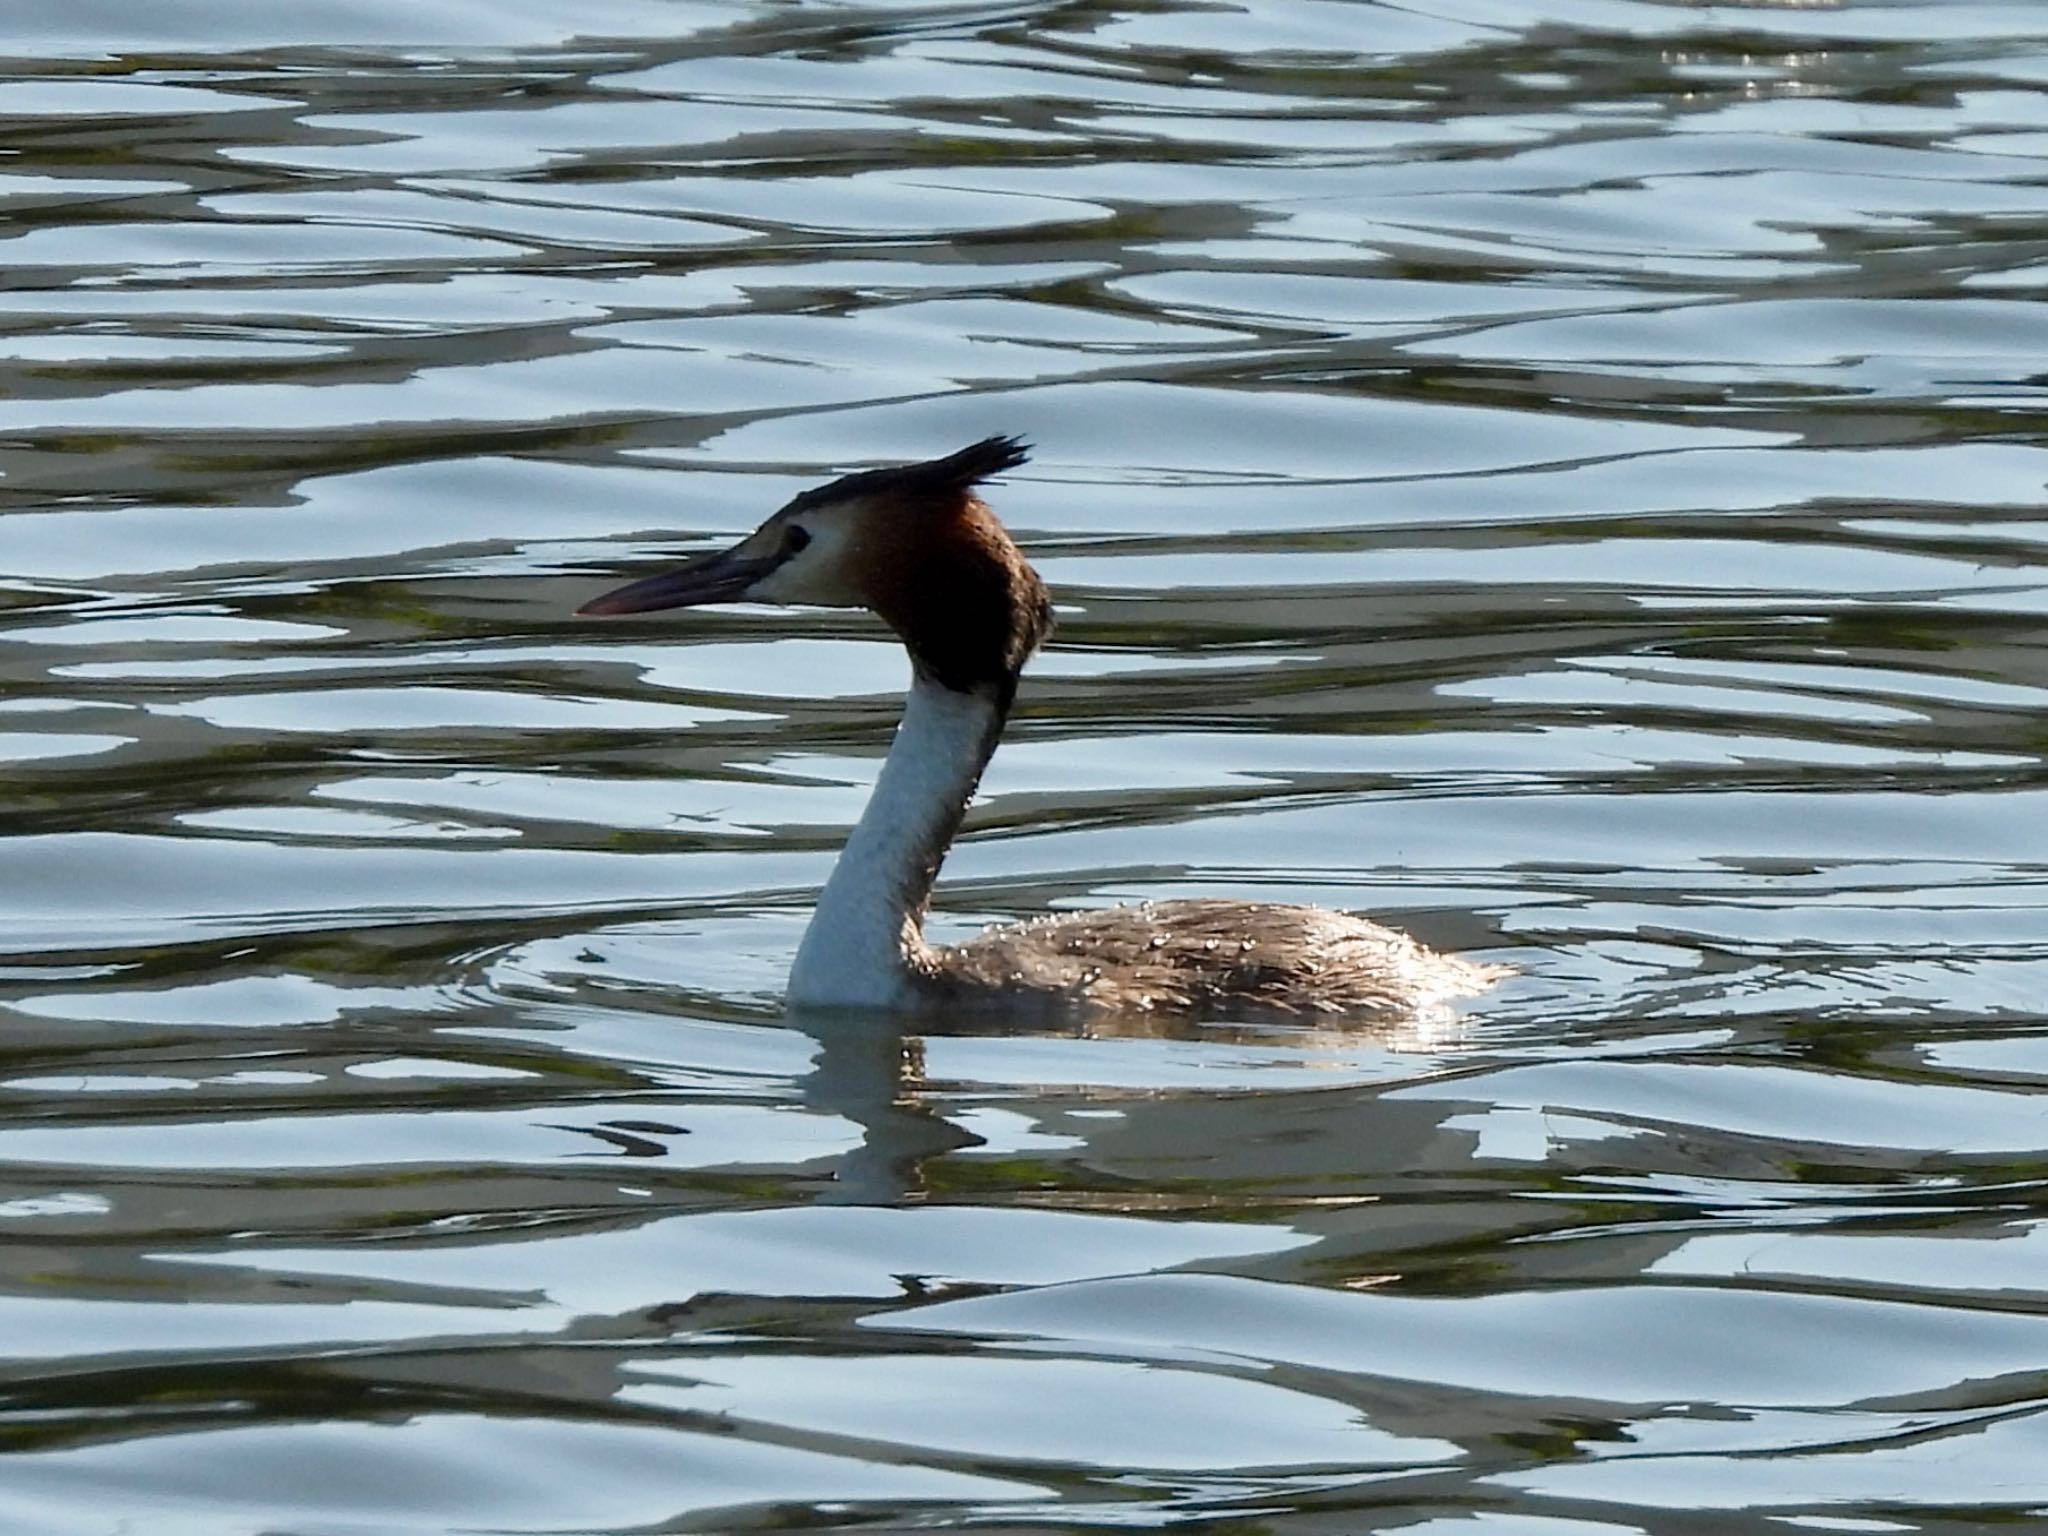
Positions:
(797, 539)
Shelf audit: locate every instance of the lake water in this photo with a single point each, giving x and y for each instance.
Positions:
(1563, 475)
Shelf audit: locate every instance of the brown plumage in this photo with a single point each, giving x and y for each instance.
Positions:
(916, 546)
(1208, 956)
(964, 603)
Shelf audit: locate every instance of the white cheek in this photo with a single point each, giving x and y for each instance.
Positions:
(784, 584)
(775, 586)
(813, 576)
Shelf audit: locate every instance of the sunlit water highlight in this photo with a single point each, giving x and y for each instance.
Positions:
(1564, 477)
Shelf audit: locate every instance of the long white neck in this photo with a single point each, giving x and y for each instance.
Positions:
(865, 940)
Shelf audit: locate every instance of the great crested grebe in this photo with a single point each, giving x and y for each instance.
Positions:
(917, 546)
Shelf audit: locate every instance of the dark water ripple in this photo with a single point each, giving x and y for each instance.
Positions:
(1566, 476)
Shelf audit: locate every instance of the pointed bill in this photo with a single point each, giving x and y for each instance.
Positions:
(723, 577)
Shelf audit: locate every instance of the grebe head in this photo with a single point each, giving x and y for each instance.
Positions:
(912, 543)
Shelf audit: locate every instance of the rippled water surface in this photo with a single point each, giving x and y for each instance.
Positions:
(1564, 476)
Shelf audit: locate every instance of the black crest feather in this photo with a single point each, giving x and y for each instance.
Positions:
(932, 480)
